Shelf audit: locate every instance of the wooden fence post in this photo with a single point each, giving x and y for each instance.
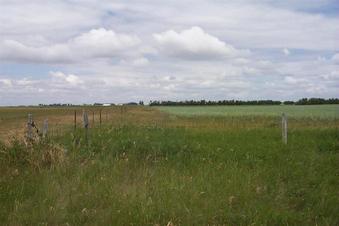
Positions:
(45, 129)
(284, 128)
(100, 116)
(75, 120)
(93, 118)
(86, 124)
(30, 127)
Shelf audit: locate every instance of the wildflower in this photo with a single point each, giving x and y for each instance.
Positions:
(231, 200)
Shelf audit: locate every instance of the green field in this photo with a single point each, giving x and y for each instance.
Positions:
(315, 111)
(143, 166)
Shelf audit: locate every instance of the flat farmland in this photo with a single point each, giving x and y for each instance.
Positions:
(161, 166)
(13, 120)
(299, 111)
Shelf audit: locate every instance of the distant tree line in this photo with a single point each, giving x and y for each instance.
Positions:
(58, 105)
(95, 104)
(303, 101)
(313, 101)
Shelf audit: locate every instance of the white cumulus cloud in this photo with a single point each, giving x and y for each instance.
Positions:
(293, 81)
(69, 79)
(6, 82)
(335, 58)
(97, 43)
(286, 51)
(194, 43)
(11, 50)
(103, 43)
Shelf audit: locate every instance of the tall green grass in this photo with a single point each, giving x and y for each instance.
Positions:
(187, 174)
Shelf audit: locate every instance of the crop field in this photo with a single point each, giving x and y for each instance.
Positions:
(161, 166)
(313, 111)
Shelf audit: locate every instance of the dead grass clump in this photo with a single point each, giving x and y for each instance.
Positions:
(46, 156)
(36, 155)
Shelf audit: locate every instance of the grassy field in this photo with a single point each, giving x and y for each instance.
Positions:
(315, 111)
(13, 119)
(147, 167)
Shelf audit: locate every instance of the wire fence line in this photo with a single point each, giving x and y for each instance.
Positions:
(87, 119)
(26, 122)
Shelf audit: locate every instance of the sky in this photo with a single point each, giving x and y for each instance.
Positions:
(86, 51)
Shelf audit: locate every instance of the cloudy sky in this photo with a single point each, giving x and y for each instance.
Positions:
(85, 51)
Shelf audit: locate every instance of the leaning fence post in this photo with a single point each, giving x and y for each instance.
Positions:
(284, 128)
(85, 121)
(30, 127)
(45, 129)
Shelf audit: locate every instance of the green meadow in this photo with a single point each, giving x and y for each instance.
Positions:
(161, 166)
(312, 111)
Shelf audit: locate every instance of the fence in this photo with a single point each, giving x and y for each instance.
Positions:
(97, 117)
(55, 121)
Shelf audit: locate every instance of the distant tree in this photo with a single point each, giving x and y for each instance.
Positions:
(288, 102)
(131, 103)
